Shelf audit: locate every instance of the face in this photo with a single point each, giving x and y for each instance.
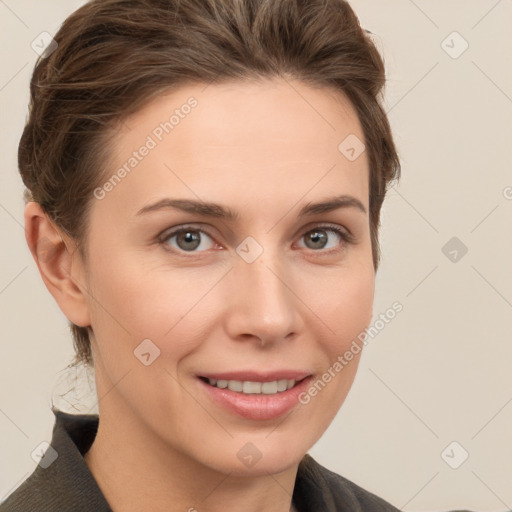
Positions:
(207, 259)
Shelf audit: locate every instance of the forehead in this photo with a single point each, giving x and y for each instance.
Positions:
(251, 137)
(248, 112)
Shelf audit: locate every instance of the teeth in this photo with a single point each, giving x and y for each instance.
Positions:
(235, 385)
(282, 385)
(269, 388)
(254, 388)
(250, 388)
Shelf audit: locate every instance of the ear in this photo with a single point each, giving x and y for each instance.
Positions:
(59, 263)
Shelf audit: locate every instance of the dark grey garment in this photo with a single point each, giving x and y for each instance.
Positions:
(67, 484)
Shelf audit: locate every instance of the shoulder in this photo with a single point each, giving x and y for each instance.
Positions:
(319, 489)
(61, 478)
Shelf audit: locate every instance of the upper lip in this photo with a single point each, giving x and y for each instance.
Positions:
(257, 376)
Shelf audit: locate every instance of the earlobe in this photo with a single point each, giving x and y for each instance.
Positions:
(59, 264)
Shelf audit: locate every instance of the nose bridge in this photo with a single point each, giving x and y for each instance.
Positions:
(263, 304)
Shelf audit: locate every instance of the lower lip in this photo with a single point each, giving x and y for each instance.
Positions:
(256, 406)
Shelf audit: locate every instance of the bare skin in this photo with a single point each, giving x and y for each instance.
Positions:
(263, 150)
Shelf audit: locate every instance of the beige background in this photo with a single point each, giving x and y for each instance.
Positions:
(440, 371)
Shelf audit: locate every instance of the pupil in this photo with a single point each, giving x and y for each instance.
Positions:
(188, 237)
(318, 238)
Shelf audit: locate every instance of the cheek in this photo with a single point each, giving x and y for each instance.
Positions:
(344, 305)
(343, 302)
(133, 300)
(124, 309)
(355, 308)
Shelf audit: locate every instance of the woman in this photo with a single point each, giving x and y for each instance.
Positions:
(205, 181)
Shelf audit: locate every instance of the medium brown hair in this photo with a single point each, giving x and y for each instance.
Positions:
(113, 56)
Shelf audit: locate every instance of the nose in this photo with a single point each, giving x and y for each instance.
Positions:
(262, 304)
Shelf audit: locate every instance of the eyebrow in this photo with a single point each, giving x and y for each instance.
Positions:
(216, 210)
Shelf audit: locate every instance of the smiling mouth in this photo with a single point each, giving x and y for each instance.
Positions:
(248, 387)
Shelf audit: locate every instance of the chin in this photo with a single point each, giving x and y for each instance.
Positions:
(259, 455)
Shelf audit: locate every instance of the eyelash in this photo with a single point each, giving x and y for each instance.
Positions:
(165, 236)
